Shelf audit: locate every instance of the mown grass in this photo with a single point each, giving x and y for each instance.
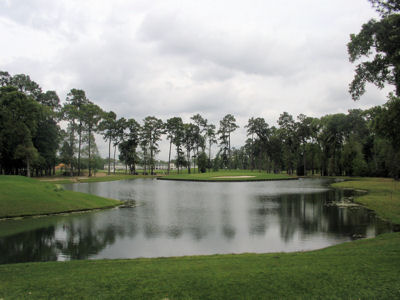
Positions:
(365, 269)
(383, 196)
(21, 196)
(111, 177)
(219, 176)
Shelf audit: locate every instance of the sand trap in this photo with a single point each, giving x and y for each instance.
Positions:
(233, 177)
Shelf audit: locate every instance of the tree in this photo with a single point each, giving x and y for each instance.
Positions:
(27, 86)
(287, 132)
(91, 115)
(174, 130)
(5, 78)
(152, 130)
(211, 138)
(107, 127)
(72, 112)
(189, 140)
(118, 135)
(19, 116)
(304, 132)
(381, 39)
(128, 146)
(387, 125)
(227, 126)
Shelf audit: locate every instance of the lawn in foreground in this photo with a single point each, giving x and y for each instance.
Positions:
(22, 196)
(363, 269)
(228, 175)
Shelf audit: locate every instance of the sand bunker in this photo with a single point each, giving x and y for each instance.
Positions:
(233, 177)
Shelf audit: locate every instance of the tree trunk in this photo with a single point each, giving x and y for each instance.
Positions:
(28, 167)
(115, 148)
(109, 155)
(169, 155)
(90, 166)
(79, 148)
(188, 158)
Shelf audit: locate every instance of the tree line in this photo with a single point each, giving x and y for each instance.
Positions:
(361, 142)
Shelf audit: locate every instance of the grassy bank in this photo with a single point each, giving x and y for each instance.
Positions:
(228, 175)
(365, 269)
(81, 179)
(21, 196)
(383, 196)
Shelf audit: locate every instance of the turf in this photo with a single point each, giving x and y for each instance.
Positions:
(22, 196)
(365, 269)
(219, 176)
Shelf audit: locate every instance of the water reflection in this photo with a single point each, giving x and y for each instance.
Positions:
(176, 218)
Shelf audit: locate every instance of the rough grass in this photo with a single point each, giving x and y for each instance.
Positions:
(21, 196)
(365, 269)
(218, 176)
(383, 196)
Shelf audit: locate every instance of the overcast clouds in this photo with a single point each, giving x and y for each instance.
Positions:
(177, 58)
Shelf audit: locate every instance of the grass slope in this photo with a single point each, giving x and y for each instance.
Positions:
(218, 176)
(21, 196)
(383, 196)
(365, 269)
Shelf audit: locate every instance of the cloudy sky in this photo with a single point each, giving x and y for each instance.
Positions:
(178, 58)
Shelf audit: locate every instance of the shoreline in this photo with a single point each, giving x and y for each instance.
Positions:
(227, 179)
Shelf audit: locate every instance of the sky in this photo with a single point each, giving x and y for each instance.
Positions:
(178, 58)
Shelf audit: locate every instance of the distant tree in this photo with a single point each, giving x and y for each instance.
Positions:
(152, 130)
(72, 111)
(91, 116)
(118, 135)
(5, 78)
(211, 139)
(189, 140)
(227, 126)
(50, 99)
(128, 146)
(289, 139)
(27, 86)
(174, 130)
(107, 127)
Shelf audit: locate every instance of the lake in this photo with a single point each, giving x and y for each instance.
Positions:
(176, 218)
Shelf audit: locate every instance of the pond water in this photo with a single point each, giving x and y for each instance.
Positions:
(175, 218)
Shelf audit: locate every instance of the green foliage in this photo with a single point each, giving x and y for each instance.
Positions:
(378, 38)
(202, 162)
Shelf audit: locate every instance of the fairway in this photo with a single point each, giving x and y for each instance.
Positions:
(229, 175)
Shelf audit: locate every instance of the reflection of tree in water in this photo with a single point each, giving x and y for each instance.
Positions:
(36, 245)
(263, 207)
(228, 230)
(307, 214)
(84, 239)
